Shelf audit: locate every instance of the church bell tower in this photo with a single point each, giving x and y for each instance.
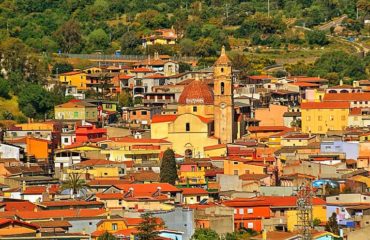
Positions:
(223, 99)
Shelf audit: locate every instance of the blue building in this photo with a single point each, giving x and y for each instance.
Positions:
(351, 149)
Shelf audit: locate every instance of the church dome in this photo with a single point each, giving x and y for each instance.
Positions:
(197, 92)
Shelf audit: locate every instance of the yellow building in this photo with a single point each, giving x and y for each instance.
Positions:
(76, 110)
(77, 79)
(297, 140)
(216, 150)
(240, 166)
(193, 172)
(321, 117)
(205, 117)
(98, 169)
(161, 37)
(318, 212)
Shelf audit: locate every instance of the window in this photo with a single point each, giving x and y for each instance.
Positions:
(236, 172)
(319, 118)
(308, 118)
(187, 127)
(143, 112)
(343, 117)
(241, 210)
(222, 87)
(133, 112)
(250, 225)
(65, 140)
(75, 114)
(236, 163)
(250, 210)
(331, 117)
(320, 128)
(114, 226)
(222, 69)
(195, 109)
(355, 102)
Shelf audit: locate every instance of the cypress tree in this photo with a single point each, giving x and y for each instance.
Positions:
(168, 167)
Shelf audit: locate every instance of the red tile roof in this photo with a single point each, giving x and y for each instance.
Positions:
(148, 188)
(272, 201)
(60, 203)
(305, 84)
(107, 182)
(163, 118)
(248, 177)
(38, 190)
(71, 73)
(155, 76)
(325, 105)
(109, 196)
(19, 206)
(260, 77)
(142, 69)
(97, 162)
(193, 191)
(268, 128)
(138, 140)
(197, 92)
(347, 97)
(218, 146)
(57, 214)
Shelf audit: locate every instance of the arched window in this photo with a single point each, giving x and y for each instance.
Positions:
(188, 153)
(222, 70)
(187, 127)
(222, 87)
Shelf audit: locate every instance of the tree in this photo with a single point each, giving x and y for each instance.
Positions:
(125, 99)
(34, 101)
(75, 184)
(147, 228)
(332, 224)
(316, 37)
(187, 47)
(107, 236)
(184, 67)
(69, 36)
(168, 172)
(205, 234)
(4, 88)
(62, 67)
(98, 39)
(130, 43)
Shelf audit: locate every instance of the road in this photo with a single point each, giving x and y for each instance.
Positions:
(333, 23)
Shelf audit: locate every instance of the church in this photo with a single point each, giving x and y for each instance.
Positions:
(205, 117)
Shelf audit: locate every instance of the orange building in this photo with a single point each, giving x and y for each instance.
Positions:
(10, 227)
(39, 148)
(271, 116)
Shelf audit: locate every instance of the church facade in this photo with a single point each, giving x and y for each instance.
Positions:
(205, 117)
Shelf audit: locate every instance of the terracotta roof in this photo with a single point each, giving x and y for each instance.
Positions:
(260, 77)
(223, 59)
(218, 146)
(71, 73)
(97, 162)
(325, 105)
(197, 92)
(155, 76)
(142, 69)
(355, 111)
(19, 206)
(107, 182)
(347, 97)
(248, 177)
(144, 176)
(13, 222)
(38, 190)
(305, 84)
(163, 118)
(306, 79)
(53, 224)
(194, 191)
(57, 214)
(149, 187)
(73, 104)
(60, 203)
(109, 196)
(267, 128)
(138, 140)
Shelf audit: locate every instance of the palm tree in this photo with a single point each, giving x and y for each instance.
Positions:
(75, 184)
